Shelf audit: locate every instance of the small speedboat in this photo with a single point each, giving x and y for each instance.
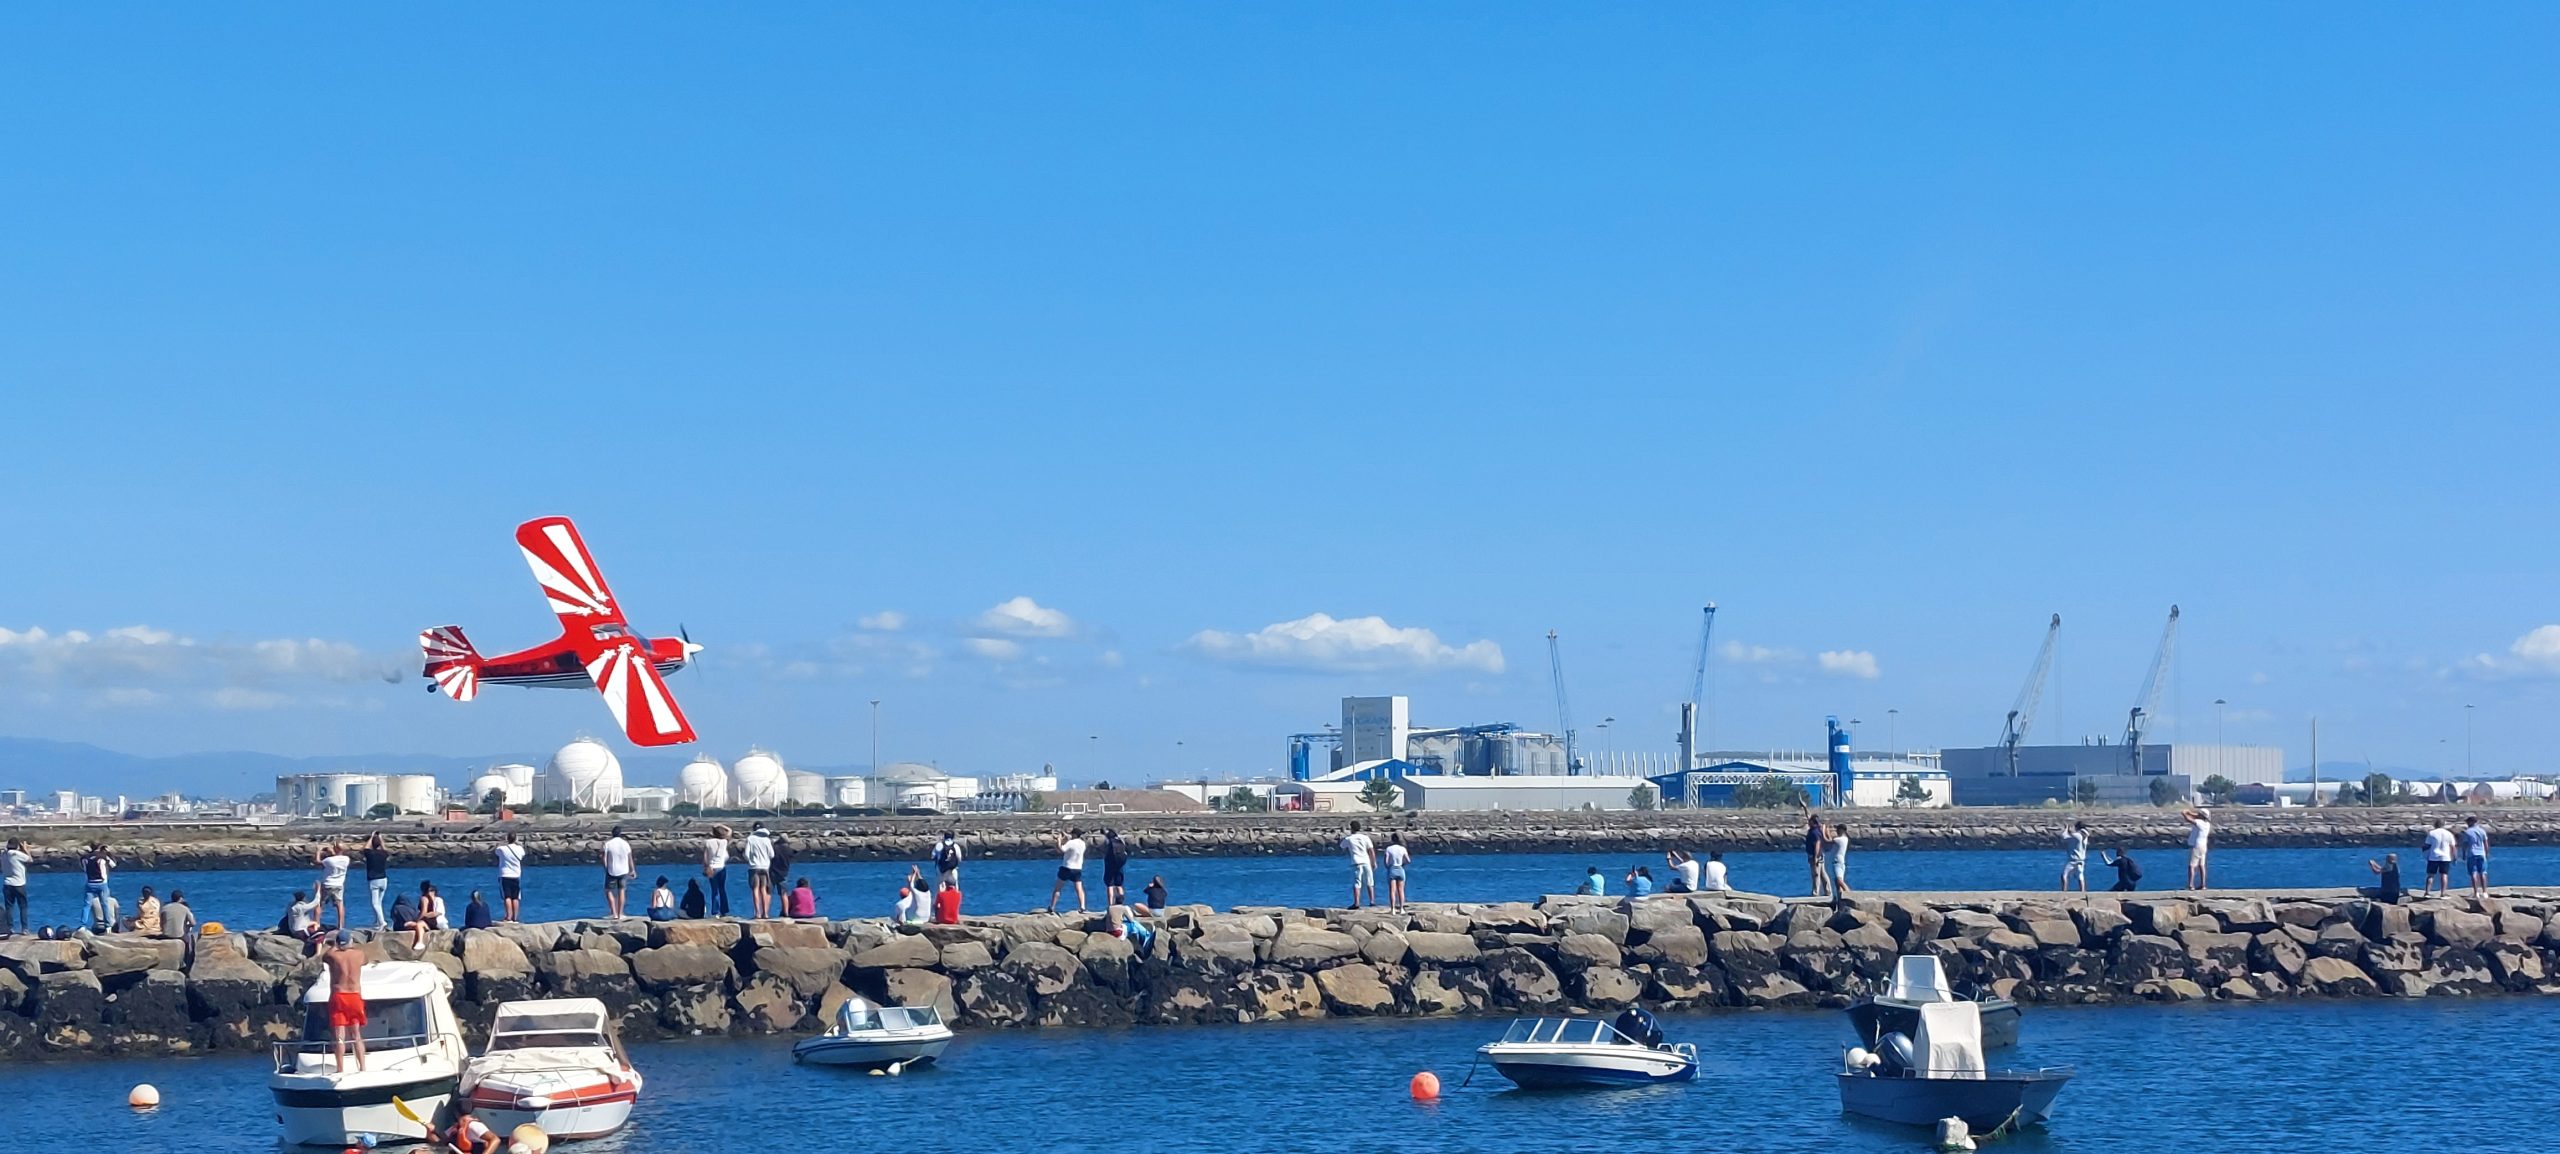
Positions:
(1918, 980)
(877, 1037)
(556, 1064)
(413, 1053)
(1937, 1073)
(1549, 1053)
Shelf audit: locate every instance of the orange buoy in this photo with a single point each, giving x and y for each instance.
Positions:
(1426, 1087)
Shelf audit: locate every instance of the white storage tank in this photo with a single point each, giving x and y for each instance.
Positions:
(360, 796)
(584, 773)
(848, 791)
(805, 788)
(412, 792)
(489, 783)
(756, 781)
(522, 775)
(703, 783)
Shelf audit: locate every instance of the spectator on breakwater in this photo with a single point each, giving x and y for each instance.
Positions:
(146, 914)
(333, 862)
(804, 901)
(510, 858)
(946, 903)
(2439, 849)
(1712, 880)
(782, 853)
(715, 870)
(911, 909)
(2199, 845)
(475, 913)
(98, 868)
(1685, 872)
(1156, 891)
(1593, 884)
(1398, 857)
(2475, 854)
(1115, 868)
(1835, 860)
(377, 878)
(1364, 865)
(2075, 856)
(2128, 871)
(616, 858)
(2387, 873)
(1070, 869)
(694, 905)
(662, 901)
(404, 913)
(1813, 840)
(301, 918)
(1640, 882)
(430, 915)
(946, 858)
(759, 855)
(13, 889)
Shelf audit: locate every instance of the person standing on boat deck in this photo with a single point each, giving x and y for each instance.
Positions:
(1364, 865)
(510, 858)
(2199, 844)
(1813, 851)
(715, 870)
(1712, 880)
(1070, 869)
(1398, 857)
(333, 862)
(13, 889)
(2128, 872)
(1835, 860)
(616, 858)
(1115, 869)
(759, 855)
(2475, 853)
(2075, 856)
(346, 997)
(1155, 891)
(946, 858)
(377, 878)
(2439, 862)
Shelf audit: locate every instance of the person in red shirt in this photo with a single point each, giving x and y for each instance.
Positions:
(946, 904)
(803, 902)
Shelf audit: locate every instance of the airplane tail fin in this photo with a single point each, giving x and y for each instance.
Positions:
(451, 661)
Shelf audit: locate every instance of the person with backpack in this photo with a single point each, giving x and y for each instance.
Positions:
(2128, 872)
(946, 858)
(1115, 868)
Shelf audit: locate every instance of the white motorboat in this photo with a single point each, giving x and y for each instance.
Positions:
(1550, 1053)
(554, 1063)
(877, 1037)
(1937, 1072)
(413, 1053)
(1919, 980)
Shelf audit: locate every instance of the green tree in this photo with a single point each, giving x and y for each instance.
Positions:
(1771, 792)
(1911, 792)
(2217, 788)
(1641, 797)
(1242, 799)
(2163, 793)
(2084, 790)
(2379, 789)
(493, 801)
(383, 811)
(1380, 794)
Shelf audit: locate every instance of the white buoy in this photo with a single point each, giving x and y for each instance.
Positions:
(1954, 1135)
(1860, 1058)
(528, 1139)
(143, 1097)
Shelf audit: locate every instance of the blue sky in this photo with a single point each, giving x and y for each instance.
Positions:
(1892, 330)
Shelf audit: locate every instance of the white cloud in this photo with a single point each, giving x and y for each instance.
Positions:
(1856, 663)
(2536, 654)
(994, 648)
(138, 665)
(1322, 643)
(1024, 617)
(885, 621)
(1737, 653)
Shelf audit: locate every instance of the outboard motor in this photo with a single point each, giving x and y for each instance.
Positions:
(1638, 1024)
(1895, 1052)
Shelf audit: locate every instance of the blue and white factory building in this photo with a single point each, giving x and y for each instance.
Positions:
(1841, 776)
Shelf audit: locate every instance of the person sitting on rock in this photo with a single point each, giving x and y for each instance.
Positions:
(2388, 872)
(695, 903)
(476, 914)
(662, 901)
(1593, 885)
(803, 902)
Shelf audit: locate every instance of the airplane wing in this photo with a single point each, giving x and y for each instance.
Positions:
(638, 696)
(567, 573)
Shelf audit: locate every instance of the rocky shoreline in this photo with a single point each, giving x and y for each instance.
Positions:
(565, 841)
(125, 995)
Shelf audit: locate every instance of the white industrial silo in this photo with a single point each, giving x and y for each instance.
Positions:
(756, 781)
(522, 776)
(848, 791)
(411, 792)
(489, 783)
(361, 794)
(805, 788)
(583, 773)
(703, 783)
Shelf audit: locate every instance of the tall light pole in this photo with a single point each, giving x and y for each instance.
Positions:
(1893, 731)
(1096, 747)
(875, 737)
(2218, 703)
(1605, 723)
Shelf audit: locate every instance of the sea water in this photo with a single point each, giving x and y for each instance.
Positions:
(2309, 1075)
(256, 899)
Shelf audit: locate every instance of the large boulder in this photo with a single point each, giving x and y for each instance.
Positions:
(1282, 995)
(995, 996)
(489, 953)
(1384, 948)
(225, 985)
(121, 960)
(1306, 947)
(68, 1005)
(2277, 953)
(600, 974)
(1605, 988)
(2215, 957)
(1579, 951)
(2460, 928)
(2099, 922)
(1672, 984)
(694, 1009)
(1686, 945)
(663, 968)
(1449, 992)
(1355, 988)
(808, 970)
(1519, 980)
(1442, 949)
(2336, 977)
(1589, 919)
(154, 1009)
(2143, 958)
(33, 959)
(1045, 970)
(720, 934)
(963, 956)
(902, 952)
(919, 988)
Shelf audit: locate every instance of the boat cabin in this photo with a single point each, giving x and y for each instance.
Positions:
(556, 1022)
(407, 1007)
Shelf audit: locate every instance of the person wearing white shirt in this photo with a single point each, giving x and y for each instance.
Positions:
(616, 857)
(1070, 869)
(1397, 858)
(1688, 871)
(510, 857)
(715, 871)
(759, 855)
(13, 889)
(2199, 843)
(333, 862)
(2439, 861)
(912, 908)
(2075, 856)
(1712, 878)
(1364, 864)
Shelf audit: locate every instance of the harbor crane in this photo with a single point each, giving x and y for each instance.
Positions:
(2022, 714)
(1564, 707)
(2148, 704)
(1695, 707)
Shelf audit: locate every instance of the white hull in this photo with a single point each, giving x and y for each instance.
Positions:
(337, 1126)
(917, 1046)
(562, 1123)
(1536, 1064)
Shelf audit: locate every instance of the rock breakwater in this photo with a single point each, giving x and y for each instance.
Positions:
(126, 995)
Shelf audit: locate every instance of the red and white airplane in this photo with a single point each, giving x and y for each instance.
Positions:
(596, 645)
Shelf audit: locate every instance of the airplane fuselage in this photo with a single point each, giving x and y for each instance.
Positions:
(555, 665)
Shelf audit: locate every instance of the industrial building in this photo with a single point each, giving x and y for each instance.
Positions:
(2033, 774)
(1446, 793)
(1840, 777)
(355, 794)
(1380, 729)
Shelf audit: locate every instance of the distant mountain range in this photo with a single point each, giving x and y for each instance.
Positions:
(41, 767)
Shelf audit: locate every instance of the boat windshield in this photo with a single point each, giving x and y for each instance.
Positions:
(858, 1016)
(388, 1023)
(1565, 1031)
(526, 1031)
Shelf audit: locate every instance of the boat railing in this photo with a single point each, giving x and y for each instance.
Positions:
(1564, 1032)
(286, 1053)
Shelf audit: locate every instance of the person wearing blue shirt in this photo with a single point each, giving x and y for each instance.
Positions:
(1640, 882)
(1593, 884)
(2475, 853)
